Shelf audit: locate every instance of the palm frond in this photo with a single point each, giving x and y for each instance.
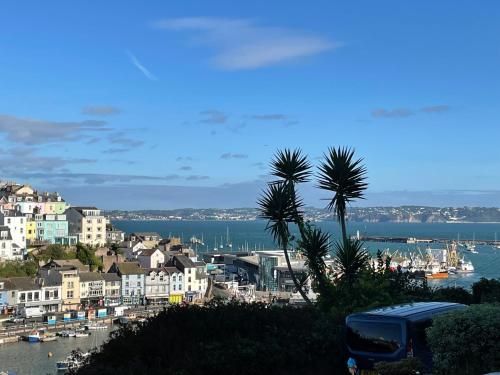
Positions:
(291, 166)
(343, 176)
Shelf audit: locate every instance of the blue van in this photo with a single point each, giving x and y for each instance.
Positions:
(393, 333)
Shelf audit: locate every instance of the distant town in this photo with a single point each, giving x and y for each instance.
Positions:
(403, 214)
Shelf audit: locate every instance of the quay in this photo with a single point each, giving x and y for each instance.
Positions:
(414, 240)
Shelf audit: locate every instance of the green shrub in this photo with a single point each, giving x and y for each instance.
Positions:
(486, 291)
(407, 366)
(466, 341)
(225, 339)
(452, 294)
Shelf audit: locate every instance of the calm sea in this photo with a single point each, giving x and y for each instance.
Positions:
(252, 235)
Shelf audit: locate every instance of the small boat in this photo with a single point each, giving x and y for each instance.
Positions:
(465, 266)
(34, 336)
(95, 326)
(82, 334)
(438, 275)
(62, 365)
(48, 338)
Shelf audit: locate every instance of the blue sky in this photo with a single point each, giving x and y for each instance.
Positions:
(160, 104)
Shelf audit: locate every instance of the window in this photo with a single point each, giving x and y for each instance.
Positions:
(126, 292)
(126, 283)
(8, 221)
(175, 287)
(56, 294)
(89, 236)
(174, 278)
(69, 294)
(22, 297)
(37, 296)
(30, 296)
(189, 288)
(374, 337)
(70, 284)
(138, 283)
(189, 279)
(180, 278)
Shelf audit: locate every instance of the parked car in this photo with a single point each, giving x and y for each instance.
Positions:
(393, 333)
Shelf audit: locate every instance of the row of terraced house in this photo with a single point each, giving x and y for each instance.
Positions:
(28, 217)
(64, 285)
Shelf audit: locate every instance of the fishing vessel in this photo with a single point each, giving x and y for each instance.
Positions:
(196, 241)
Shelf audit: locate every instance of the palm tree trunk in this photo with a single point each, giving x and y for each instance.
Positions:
(342, 224)
(292, 275)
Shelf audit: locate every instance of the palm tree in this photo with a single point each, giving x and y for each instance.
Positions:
(346, 178)
(314, 244)
(280, 207)
(351, 258)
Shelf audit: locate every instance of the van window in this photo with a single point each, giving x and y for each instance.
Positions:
(374, 337)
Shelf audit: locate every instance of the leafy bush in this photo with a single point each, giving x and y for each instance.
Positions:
(18, 268)
(486, 291)
(407, 366)
(225, 339)
(452, 294)
(466, 341)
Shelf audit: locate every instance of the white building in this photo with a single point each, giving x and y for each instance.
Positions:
(176, 287)
(157, 288)
(88, 224)
(16, 222)
(8, 249)
(195, 277)
(151, 258)
(91, 289)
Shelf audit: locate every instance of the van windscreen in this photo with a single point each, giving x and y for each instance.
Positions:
(374, 337)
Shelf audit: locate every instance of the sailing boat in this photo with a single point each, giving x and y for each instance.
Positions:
(228, 243)
(496, 245)
(472, 246)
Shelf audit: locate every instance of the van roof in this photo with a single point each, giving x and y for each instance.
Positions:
(411, 309)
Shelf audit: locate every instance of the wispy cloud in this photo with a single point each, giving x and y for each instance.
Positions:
(196, 177)
(213, 116)
(141, 67)
(229, 155)
(121, 138)
(269, 117)
(36, 132)
(436, 108)
(185, 168)
(115, 150)
(244, 44)
(185, 158)
(95, 178)
(100, 110)
(406, 112)
(393, 113)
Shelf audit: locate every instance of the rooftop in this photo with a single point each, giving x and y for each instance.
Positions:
(111, 276)
(24, 283)
(90, 276)
(129, 268)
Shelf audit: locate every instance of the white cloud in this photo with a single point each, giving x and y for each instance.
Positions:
(141, 67)
(242, 44)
